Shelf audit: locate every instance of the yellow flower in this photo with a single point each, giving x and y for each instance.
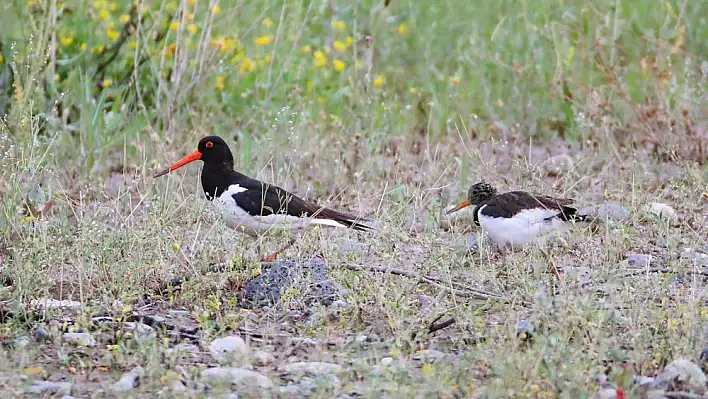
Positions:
(455, 80)
(307, 49)
(31, 4)
(267, 22)
(56, 77)
(402, 28)
(266, 58)
(379, 81)
(2, 59)
(192, 2)
(412, 90)
(339, 25)
(357, 64)
(321, 100)
(220, 83)
(339, 46)
(113, 6)
(174, 26)
(98, 50)
(338, 65)
(107, 82)
(113, 35)
(189, 16)
(59, 5)
(349, 40)
(133, 44)
(111, 26)
(83, 46)
(217, 9)
(247, 65)
(103, 14)
(263, 40)
(124, 18)
(191, 28)
(320, 59)
(66, 40)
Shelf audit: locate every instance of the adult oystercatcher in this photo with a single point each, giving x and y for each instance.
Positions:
(254, 207)
(517, 218)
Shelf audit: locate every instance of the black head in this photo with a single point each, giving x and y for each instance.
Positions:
(480, 192)
(213, 151)
(477, 194)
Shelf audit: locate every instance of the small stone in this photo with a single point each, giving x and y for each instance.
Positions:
(605, 211)
(263, 358)
(48, 303)
(638, 260)
(682, 371)
(524, 330)
(664, 211)
(236, 376)
(607, 393)
(84, 339)
(311, 368)
(362, 339)
(429, 355)
(386, 361)
(43, 387)
(234, 347)
(41, 334)
(128, 380)
(644, 381)
(20, 342)
(347, 245)
(656, 394)
(558, 164)
(141, 332)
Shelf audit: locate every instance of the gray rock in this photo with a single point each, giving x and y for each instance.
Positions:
(20, 342)
(67, 397)
(279, 276)
(263, 358)
(525, 330)
(429, 355)
(362, 339)
(558, 164)
(233, 347)
(141, 332)
(311, 368)
(84, 339)
(347, 245)
(128, 380)
(605, 211)
(48, 303)
(663, 211)
(317, 383)
(386, 361)
(638, 260)
(42, 335)
(656, 394)
(45, 387)
(237, 376)
(644, 381)
(682, 371)
(607, 393)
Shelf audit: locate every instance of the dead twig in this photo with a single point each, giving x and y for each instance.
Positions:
(460, 290)
(435, 326)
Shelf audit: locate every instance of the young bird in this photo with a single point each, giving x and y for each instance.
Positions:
(517, 218)
(254, 207)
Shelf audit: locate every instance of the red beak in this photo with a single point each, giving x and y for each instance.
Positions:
(461, 205)
(194, 156)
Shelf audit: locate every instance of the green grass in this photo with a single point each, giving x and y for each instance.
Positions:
(429, 99)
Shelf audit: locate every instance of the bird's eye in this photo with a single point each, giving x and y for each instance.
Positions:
(209, 144)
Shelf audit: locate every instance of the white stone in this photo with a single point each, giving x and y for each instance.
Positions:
(128, 380)
(311, 368)
(263, 358)
(58, 388)
(664, 211)
(233, 347)
(236, 376)
(84, 339)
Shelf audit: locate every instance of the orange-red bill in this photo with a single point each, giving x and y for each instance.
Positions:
(194, 156)
(463, 204)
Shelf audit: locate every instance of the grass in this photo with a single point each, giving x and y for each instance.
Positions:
(390, 112)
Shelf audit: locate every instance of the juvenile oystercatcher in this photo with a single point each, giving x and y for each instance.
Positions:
(254, 207)
(517, 218)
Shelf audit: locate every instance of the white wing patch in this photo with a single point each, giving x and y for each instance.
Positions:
(239, 219)
(523, 228)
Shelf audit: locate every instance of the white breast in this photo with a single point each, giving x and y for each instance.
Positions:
(525, 227)
(237, 218)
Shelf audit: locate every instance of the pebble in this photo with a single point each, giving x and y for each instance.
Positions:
(429, 355)
(128, 380)
(236, 376)
(263, 358)
(664, 211)
(84, 339)
(48, 303)
(558, 164)
(638, 260)
(141, 332)
(682, 370)
(42, 387)
(21, 341)
(232, 347)
(347, 245)
(311, 368)
(605, 211)
(386, 361)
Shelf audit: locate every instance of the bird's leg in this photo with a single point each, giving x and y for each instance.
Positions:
(272, 257)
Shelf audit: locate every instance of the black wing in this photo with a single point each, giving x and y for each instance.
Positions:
(262, 199)
(509, 204)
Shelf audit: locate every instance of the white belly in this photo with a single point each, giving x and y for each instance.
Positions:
(238, 219)
(524, 228)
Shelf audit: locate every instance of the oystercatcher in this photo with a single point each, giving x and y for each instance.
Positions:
(254, 207)
(517, 218)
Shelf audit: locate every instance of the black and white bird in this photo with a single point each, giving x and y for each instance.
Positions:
(517, 218)
(254, 207)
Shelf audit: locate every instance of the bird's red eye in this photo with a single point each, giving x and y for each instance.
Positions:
(209, 144)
